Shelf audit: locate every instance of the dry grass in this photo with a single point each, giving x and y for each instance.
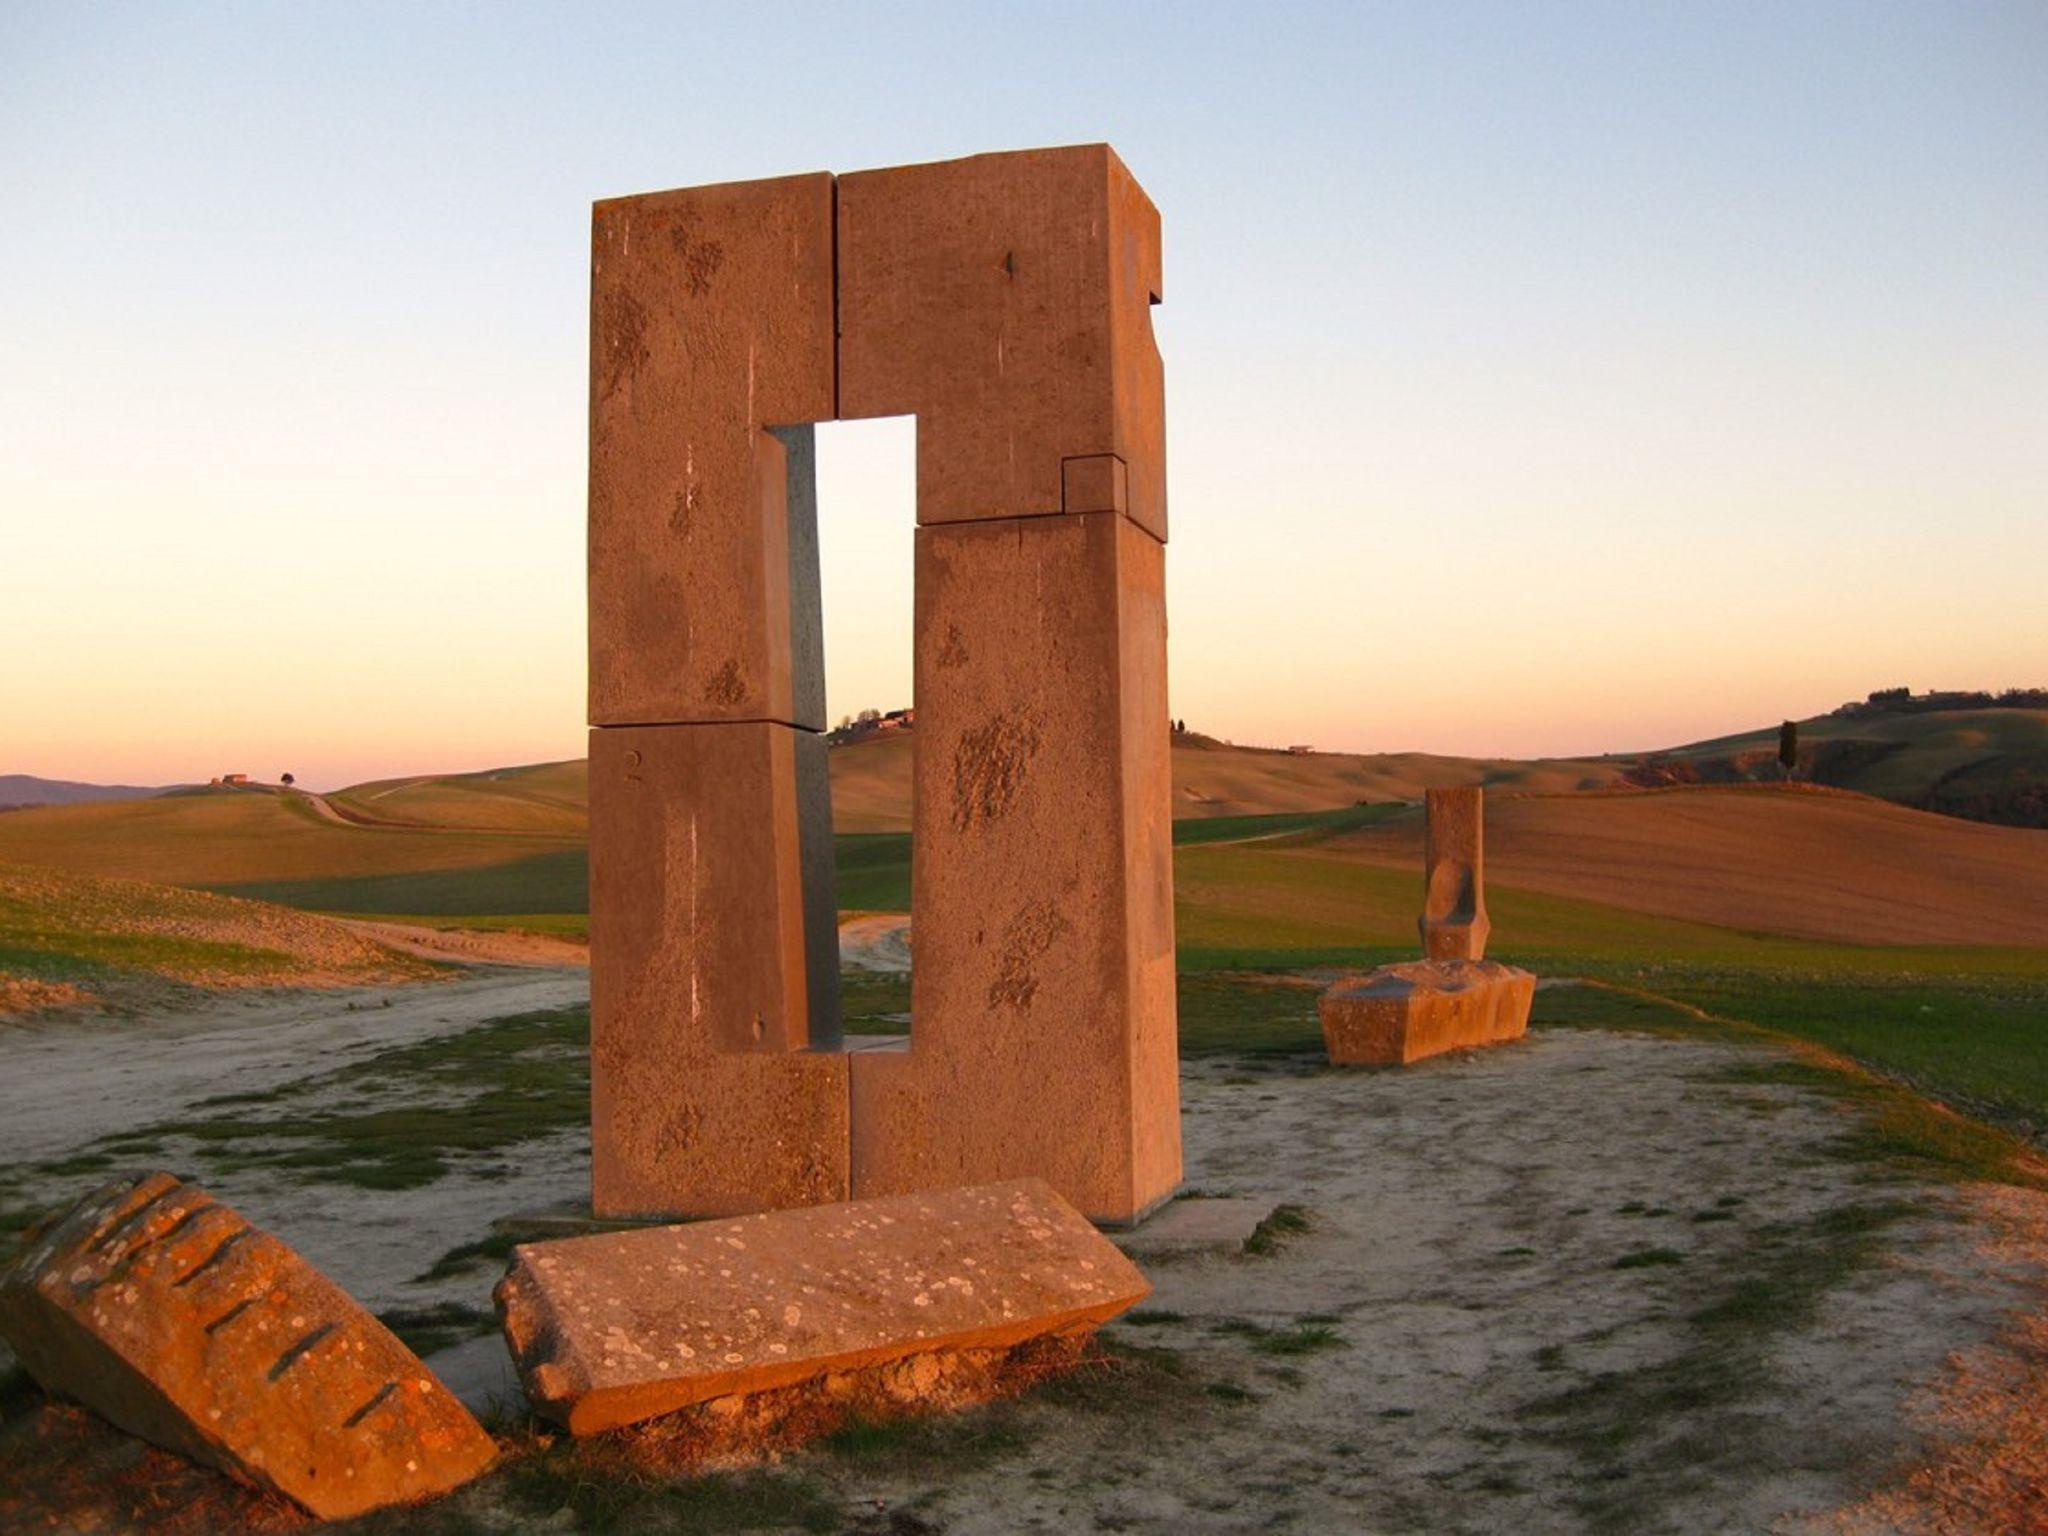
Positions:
(66, 940)
(1988, 1422)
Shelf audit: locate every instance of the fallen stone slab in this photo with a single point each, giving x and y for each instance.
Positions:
(169, 1314)
(1196, 1224)
(624, 1326)
(1402, 1013)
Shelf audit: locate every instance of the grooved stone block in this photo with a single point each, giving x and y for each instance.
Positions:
(1454, 922)
(1043, 1036)
(716, 1086)
(1401, 1013)
(612, 1329)
(169, 1314)
(1006, 301)
(710, 323)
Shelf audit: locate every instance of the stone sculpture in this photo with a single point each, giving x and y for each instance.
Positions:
(169, 1314)
(1454, 997)
(1004, 300)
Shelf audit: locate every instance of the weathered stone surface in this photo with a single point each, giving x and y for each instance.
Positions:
(710, 324)
(1401, 1013)
(714, 979)
(1005, 300)
(1454, 923)
(166, 1312)
(612, 1329)
(1043, 1038)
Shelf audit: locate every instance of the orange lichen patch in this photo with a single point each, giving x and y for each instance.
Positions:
(1988, 1466)
(24, 994)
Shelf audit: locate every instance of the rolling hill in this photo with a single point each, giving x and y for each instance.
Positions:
(1983, 764)
(508, 844)
(67, 939)
(26, 789)
(1816, 864)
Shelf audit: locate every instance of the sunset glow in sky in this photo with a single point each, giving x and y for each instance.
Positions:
(1540, 379)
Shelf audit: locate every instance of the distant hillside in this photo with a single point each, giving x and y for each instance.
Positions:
(544, 798)
(1986, 763)
(510, 842)
(27, 789)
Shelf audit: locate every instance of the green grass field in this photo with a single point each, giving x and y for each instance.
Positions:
(1256, 897)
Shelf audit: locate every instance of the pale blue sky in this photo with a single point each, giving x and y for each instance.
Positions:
(1540, 378)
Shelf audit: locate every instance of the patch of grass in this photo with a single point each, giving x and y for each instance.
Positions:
(1271, 1234)
(1649, 1258)
(608, 1493)
(402, 1118)
(1230, 1392)
(1152, 1317)
(424, 1330)
(1898, 1129)
(1300, 1338)
(1635, 1431)
(874, 1002)
(472, 875)
(928, 1445)
(1248, 1014)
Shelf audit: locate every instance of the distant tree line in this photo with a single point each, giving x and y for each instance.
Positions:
(1904, 701)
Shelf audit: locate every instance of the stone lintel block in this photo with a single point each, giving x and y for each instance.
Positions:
(710, 324)
(716, 1084)
(1005, 300)
(1454, 922)
(167, 1313)
(1401, 1013)
(621, 1327)
(1042, 878)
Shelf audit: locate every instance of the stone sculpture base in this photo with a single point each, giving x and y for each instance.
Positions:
(169, 1314)
(624, 1326)
(1402, 1013)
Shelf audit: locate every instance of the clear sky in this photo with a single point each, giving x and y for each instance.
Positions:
(1540, 378)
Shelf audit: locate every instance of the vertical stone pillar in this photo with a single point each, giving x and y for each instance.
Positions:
(1454, 922)
(714, 962)
(1005, 300)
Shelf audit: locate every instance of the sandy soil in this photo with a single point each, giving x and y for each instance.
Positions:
(65, 1083)
(1822, 865)
(1483, 1344)
(1468, 1217)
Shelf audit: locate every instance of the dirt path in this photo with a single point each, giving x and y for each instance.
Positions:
(66, 1083)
